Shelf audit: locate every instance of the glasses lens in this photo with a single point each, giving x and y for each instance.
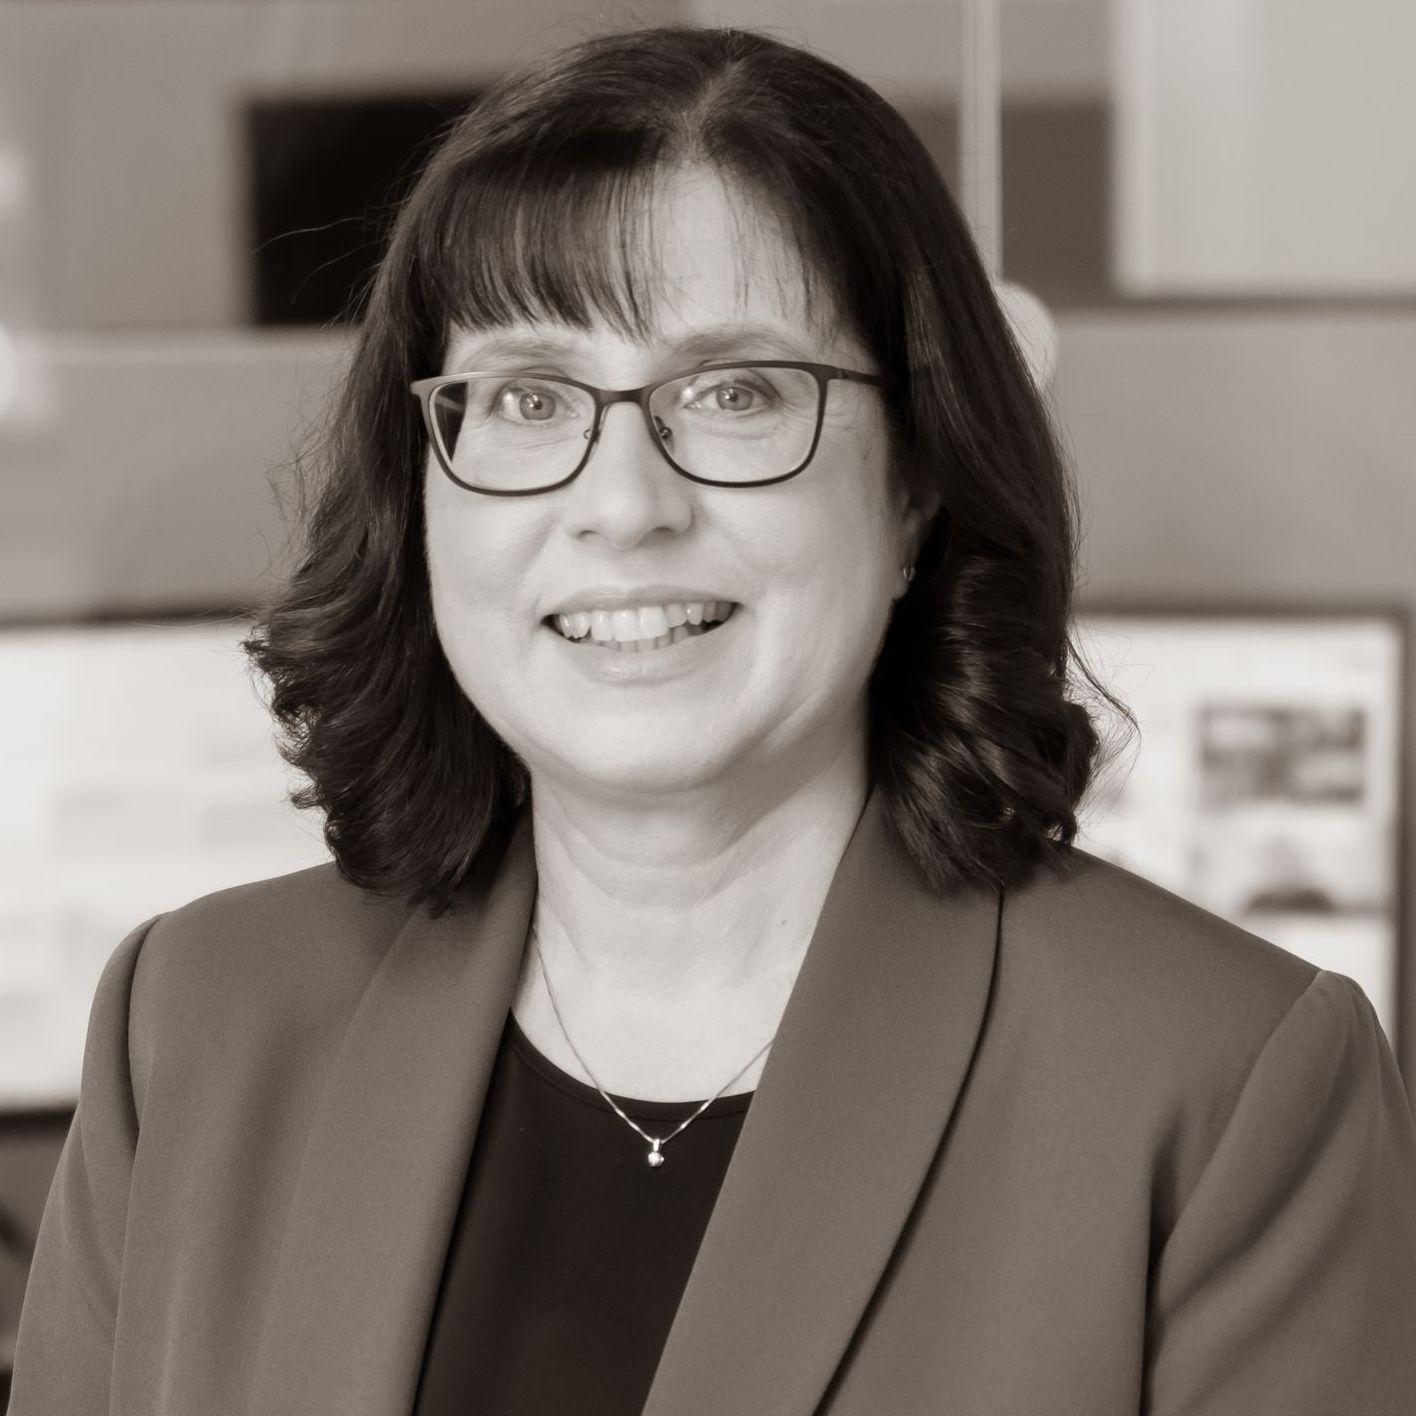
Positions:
(511, 433)
(747, 424)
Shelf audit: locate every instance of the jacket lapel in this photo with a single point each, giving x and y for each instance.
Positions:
(873, 1048)
(382, 1175)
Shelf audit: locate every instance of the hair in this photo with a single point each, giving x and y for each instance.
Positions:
(978, 753)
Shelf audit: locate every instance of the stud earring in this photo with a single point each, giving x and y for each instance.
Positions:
(908, 572)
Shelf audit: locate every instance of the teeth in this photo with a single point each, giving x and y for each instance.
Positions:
(644, 626)
(653, 622)
(640, 646)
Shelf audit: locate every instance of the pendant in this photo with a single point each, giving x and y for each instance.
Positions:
(655, 1157)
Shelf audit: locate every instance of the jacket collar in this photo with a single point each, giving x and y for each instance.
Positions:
(852, 1106)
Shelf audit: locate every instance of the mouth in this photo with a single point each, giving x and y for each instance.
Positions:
(641, 629)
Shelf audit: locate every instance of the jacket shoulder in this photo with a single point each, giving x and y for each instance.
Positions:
(302, 903)
(1163, 1007)
(1162, 997)
(1109, 928)
(308, 919)
(277, 961)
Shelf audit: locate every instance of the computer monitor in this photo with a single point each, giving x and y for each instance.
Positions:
(140, 771)
(1265, 784)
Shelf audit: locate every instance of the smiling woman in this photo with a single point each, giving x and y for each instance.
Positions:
(695, 239)
(707, 1010)
(786, 509)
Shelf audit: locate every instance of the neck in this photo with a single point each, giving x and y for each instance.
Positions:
(705, 894)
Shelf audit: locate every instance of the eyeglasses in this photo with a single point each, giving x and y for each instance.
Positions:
(725, 425)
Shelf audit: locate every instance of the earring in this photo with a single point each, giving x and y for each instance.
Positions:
(908, 572)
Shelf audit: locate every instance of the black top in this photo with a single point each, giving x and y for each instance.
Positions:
(569, 1252)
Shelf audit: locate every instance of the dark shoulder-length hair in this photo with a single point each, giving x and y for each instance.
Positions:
(976, 749)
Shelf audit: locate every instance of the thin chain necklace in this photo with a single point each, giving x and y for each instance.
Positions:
(655, 1156)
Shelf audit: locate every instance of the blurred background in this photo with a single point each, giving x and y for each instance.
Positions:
(1211, 200)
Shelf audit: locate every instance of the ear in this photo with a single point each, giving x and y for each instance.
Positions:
(916, 516)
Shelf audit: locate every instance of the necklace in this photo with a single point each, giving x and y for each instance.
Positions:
(655, 1156)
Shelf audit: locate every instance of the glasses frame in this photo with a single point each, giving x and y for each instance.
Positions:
(424, 389)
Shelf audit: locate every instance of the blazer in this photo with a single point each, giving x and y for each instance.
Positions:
(1078, 1149)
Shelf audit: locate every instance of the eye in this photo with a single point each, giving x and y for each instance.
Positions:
(528, 403)
(734, 397)
(732, 393)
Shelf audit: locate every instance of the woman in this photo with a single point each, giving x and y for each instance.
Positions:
(708, 1012)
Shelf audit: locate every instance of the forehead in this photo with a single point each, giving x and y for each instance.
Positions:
(706, 272)
(714, 256)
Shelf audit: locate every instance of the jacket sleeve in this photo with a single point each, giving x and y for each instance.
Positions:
(64, 1350)
(1287, 1286)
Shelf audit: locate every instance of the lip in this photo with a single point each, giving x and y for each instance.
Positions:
(650, 665)
(620, 597)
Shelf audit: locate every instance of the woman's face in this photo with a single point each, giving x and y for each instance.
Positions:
(811, 566)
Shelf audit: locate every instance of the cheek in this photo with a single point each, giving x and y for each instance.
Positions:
(853, 544)
(474, 554)
(835, 564)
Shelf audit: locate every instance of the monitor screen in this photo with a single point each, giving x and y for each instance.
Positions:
(140, 771)
(1265, 781)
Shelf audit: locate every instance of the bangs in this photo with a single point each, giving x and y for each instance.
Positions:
(569, 238)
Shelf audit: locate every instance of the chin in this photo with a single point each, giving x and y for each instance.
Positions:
(633, 765)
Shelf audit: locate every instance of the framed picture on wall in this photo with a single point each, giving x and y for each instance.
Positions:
(1265, 784)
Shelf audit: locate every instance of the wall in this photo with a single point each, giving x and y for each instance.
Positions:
(128, 117)
(174, 440)
(122, 119)
(1259, 146)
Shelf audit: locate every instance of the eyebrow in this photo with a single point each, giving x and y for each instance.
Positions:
(719, 340)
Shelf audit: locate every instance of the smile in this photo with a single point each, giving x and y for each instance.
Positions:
(642, 628)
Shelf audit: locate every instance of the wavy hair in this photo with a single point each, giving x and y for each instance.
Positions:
(978, 752)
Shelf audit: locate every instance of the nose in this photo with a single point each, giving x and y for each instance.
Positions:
(627, 491)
